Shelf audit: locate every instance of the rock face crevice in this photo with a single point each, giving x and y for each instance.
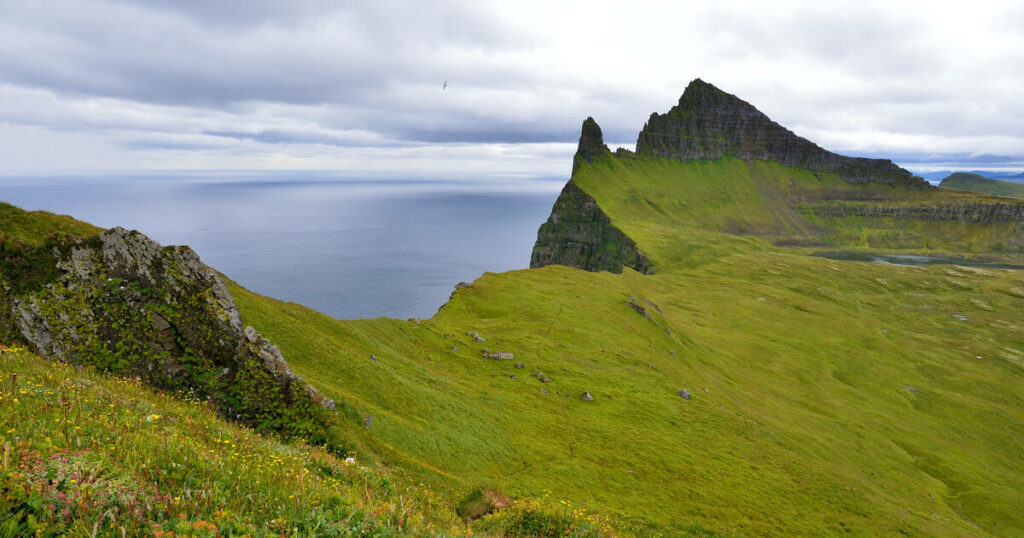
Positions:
(123, 303)
(709, 124)
(579, 234)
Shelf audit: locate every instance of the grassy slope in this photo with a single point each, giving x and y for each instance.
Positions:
(87, 454)
(975, 183)
(839, 396)
(32, 227)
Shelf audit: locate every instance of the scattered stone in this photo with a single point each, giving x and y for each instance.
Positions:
(978, 357)
(463, 285)
(630, 471)
(545, 380)
(470, 333)
(367, 421)
(479, 338)
(673, 353)
(520, 365)
(960, 317)
(544, 392)
(453, 348)
(587, 397)
(707, 390)
(373, 357)
(684, 393)
(498, 356)
(513, 376)
(538, 374)
(639, 309)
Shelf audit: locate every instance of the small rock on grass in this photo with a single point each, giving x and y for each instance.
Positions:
(684, 393)
(587, 397)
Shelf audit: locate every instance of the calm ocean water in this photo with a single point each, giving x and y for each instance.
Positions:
(350, 248)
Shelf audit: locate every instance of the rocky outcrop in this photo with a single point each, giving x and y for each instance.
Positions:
(579, 234)
(972, 212)
(123, 303)
(709, 124)
(591, 141)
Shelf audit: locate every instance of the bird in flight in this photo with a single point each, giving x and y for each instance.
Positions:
(445, 87)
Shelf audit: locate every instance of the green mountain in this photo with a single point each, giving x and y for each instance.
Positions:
(961, 181)
(702, 374)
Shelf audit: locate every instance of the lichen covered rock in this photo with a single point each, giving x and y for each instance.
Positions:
(125, 304)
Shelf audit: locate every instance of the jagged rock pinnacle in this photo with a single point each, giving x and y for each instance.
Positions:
(591, 141)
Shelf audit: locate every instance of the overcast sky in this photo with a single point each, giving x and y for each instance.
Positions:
(115, 85)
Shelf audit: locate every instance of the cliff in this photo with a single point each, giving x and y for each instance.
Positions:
(709, 124)
(125, 304)
(578, 233)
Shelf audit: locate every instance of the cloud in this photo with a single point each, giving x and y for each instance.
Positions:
(294, 83)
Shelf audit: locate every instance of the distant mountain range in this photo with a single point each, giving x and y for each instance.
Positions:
(1017, 177)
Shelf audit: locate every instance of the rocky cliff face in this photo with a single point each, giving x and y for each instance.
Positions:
(591, 141)
(970, 212)
(708, 124)
(578, 233)
(125, 304)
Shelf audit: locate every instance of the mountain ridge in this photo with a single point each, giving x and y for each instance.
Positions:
(965, 181)
(708, 124)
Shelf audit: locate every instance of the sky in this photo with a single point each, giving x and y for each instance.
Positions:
(92, 86)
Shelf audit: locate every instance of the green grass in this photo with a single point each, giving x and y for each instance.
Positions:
(962, 181)
(85, 455)
(33, 227)
(839, 395)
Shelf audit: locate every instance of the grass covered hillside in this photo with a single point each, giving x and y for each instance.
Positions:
(85, 454)
(961, 181)
(822, 396)
(88, 455)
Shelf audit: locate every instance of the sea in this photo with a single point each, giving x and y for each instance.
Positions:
(349, 247)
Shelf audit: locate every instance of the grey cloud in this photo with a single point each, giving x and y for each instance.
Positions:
(171, 54)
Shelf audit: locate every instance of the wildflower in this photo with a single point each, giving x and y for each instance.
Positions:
(350, 461)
